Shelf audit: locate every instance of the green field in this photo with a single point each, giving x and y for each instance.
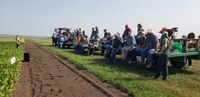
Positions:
(9, 72)
(134, 78)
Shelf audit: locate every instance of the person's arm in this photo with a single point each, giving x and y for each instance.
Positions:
(156, 47)
(156, 44)
(144, 45)
(134, 41)
(164, 46)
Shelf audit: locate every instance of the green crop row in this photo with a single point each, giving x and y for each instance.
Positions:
(9, 72)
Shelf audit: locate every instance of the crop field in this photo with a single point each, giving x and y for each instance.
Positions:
(9, 70)
(133, 78)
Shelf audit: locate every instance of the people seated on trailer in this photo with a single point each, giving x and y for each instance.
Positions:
(82, 44)
(79, 32)
(77, 40)
(120, 38)
(140, 46)
(151, 47)
(107, 45)
(126, 32)
(91, 46)
(117, 42)
(58, 36)
(184, 37)
(140, 29)
(61, 40)
(83, 33)
(54, 39)
(96, 32)
(105, 33)
(129, 44)
(163, 58)
(74, 33)
(191, 44)
(93, 33)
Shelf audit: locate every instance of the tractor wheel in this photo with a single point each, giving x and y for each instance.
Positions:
(177, 64)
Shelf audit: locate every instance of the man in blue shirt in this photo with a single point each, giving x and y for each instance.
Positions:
(151, 47)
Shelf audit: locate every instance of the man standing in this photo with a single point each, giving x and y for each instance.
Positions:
(18, 41)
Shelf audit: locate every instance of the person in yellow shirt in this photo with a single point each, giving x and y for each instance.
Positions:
(78, 40)
(18, 41)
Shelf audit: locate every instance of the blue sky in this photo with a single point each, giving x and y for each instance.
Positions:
(40, 17)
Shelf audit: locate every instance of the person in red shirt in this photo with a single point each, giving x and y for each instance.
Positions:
(126, 32)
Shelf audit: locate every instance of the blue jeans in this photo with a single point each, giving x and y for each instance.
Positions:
(135, 52)
(80, 48)
(103, 48)
(113, 55)
(108, 50)
(61, 44)
(149, 53)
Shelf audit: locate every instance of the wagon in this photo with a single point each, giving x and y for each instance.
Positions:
(68, 43)
(179, 59)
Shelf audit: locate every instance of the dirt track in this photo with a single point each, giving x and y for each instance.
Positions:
(47, 75)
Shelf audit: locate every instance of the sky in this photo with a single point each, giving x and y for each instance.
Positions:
(40, 17)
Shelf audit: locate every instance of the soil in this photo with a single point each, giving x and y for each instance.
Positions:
(47, 75)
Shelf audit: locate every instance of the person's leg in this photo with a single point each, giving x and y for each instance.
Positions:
(149, 55)
(108, 50)
(126, 52)
(143, 54)
(189, 61)
(135, 52)
(123, 51)
(103, 49)
(158, 67)
(113, 55)
(61, 44)
(17, 46)
(92, 51)
(164, 68)
(56, 42)
(80, 49)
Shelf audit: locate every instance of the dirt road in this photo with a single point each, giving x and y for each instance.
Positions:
(47, 75)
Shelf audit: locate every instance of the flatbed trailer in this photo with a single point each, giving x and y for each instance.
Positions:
(179, 59)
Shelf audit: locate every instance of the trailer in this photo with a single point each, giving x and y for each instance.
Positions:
(179, 59)
(65, 31)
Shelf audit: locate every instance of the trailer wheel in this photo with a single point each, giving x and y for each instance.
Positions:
(177, 64)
